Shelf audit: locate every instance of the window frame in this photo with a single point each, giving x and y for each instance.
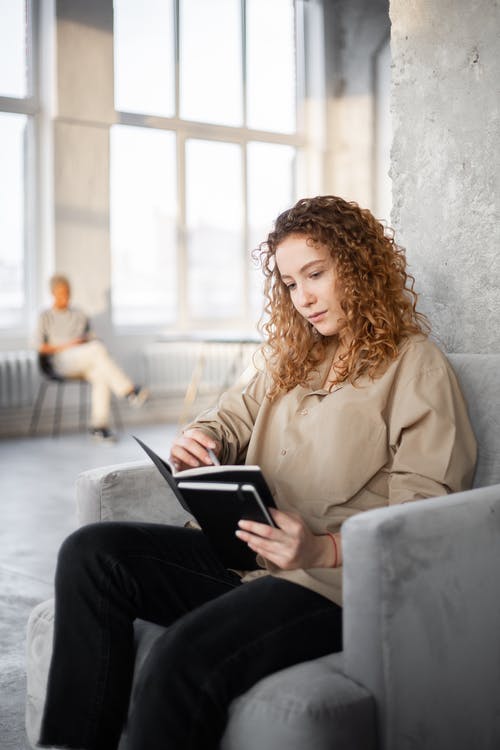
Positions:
(28, 106)
(240, 135)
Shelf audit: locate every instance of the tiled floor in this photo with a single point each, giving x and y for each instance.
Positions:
(37, 477)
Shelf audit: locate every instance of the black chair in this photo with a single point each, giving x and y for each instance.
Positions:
(50, 376)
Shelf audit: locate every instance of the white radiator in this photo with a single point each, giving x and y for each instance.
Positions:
(18, 378)
(172, 366)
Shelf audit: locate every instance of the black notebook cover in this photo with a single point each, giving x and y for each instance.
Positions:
(218, 510)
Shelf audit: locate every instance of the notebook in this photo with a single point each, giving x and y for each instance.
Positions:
(218, 497)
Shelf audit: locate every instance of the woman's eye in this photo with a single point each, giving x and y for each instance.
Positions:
(316, 274)
(291, 287)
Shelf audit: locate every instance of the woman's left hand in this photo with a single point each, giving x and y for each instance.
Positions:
(291, 546)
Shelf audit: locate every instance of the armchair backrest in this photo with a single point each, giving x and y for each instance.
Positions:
(479, 378)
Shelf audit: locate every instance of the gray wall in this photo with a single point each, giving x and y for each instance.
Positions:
(446, 162)
(356, 35)
(85, 111)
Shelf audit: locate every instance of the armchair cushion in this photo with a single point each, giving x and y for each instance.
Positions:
(311, 705)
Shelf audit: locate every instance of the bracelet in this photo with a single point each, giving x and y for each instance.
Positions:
(332, 537)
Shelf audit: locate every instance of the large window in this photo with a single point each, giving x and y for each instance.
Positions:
(16, 136)
(143, 225)
(203, 156)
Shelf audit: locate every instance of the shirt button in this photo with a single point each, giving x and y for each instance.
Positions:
(304, 413)
(283, 451)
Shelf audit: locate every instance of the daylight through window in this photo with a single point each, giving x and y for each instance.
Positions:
(203, 158)
(16, 141)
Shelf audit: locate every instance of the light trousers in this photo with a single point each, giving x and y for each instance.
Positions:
(92, 362)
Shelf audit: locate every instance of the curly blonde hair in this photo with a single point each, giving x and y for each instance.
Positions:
(378, 299)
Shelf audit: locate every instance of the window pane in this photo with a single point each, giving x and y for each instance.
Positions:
(270, 173)
(271, 65)
(144, 56)
(13, 49)
(143, 226)
(210, 61)
(12, 158)
(214, 217)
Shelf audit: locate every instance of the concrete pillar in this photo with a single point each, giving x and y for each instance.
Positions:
(446, 162)
(356, 32)
(84, 113)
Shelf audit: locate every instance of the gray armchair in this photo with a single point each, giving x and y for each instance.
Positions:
(420, 669)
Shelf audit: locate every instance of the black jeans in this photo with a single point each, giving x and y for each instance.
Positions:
(224, 637)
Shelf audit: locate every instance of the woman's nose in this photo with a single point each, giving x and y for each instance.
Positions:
(305, 297)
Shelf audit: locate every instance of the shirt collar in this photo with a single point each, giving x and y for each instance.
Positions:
(315, 385)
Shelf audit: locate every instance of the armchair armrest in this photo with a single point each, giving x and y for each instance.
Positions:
(126, 492)
(422, 618)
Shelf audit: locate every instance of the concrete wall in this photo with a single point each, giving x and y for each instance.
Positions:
(84, 113)
(446, 162)
(356, 37)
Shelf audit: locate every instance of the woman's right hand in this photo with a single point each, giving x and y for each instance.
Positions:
(189, 450)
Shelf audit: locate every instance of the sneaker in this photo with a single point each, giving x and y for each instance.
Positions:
(138, 396)
(103, 435)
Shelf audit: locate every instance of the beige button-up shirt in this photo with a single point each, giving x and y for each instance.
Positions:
(329, 455)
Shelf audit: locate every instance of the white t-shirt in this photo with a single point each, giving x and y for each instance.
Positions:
(60, 326)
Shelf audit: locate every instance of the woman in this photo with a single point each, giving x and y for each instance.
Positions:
(352, 408)
(65, 337)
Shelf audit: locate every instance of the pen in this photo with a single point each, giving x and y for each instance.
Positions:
(213, 457)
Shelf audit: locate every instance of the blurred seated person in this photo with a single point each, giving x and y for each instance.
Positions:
(64, 334)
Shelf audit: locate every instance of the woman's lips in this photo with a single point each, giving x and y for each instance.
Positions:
(316, 316)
